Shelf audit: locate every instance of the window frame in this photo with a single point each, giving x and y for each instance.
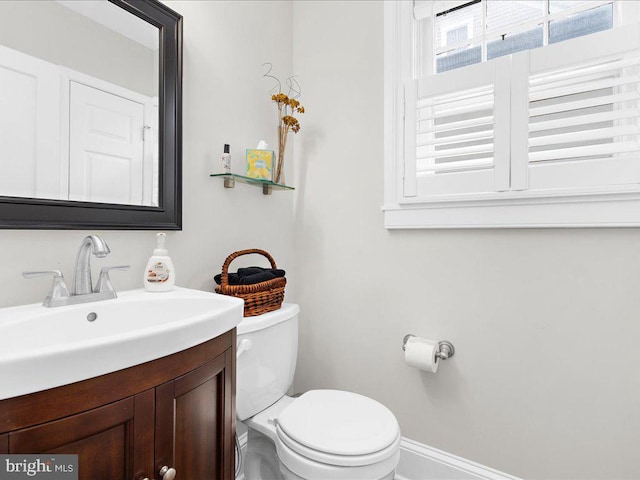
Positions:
(615, 206)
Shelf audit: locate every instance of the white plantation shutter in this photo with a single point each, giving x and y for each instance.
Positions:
(563, 118)
(456, 136)
(582, 113)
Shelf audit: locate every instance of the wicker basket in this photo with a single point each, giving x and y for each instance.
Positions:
(258, 298)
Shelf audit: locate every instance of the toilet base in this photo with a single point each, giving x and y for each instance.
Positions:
(260, 459)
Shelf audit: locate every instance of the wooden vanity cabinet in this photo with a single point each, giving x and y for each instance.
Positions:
(195, 444)
(177, 411)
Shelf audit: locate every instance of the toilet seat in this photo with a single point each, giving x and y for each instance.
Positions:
(332, 435)
(337, 460)
(339, 428)
(339, 423)
(305, 468)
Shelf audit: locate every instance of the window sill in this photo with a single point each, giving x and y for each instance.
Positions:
(593, 210)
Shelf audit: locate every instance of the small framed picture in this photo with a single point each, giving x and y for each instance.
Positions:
(260, 164)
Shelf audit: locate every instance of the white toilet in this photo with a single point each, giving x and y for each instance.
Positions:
(320, 435)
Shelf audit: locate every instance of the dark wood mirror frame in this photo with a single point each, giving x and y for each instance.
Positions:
(29, 213)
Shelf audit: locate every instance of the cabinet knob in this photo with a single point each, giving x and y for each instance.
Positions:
(167, 473)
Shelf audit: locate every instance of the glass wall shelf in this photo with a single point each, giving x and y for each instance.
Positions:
(268, 186)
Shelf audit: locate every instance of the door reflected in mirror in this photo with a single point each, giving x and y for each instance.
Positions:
(79, 108)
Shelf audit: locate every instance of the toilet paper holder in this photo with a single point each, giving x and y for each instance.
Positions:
(445, 348)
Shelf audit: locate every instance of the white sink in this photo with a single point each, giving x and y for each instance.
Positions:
(42, 348)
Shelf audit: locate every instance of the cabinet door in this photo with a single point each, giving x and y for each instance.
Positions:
(195, 422)
(4, 443)
(114, 441)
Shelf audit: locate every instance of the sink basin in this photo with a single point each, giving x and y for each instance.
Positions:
(47, 347)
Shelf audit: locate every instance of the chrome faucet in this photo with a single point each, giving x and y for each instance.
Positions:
(83, 291)
(82, 274)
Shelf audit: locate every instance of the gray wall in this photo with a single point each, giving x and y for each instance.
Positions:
(56, 34)
(544, 383)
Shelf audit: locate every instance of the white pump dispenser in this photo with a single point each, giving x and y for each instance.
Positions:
(159, 276)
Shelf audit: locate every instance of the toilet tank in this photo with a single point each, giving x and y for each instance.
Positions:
(267, 354)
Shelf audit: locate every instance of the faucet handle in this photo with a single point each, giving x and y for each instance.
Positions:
(58, 287)
(104, 281)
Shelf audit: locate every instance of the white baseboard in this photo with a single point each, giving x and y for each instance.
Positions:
(422, 462)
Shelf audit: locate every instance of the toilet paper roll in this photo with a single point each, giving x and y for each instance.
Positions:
(421, 353)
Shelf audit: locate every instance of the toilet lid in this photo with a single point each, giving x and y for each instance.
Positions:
(341, 423)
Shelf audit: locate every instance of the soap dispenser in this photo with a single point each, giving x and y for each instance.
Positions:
(159, 276)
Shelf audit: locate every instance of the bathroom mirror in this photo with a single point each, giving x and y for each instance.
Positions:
(90, 114)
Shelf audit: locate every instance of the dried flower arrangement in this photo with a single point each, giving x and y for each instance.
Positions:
(288, 105)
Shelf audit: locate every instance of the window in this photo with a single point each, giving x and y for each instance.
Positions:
(505, 27)
(512, 113)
